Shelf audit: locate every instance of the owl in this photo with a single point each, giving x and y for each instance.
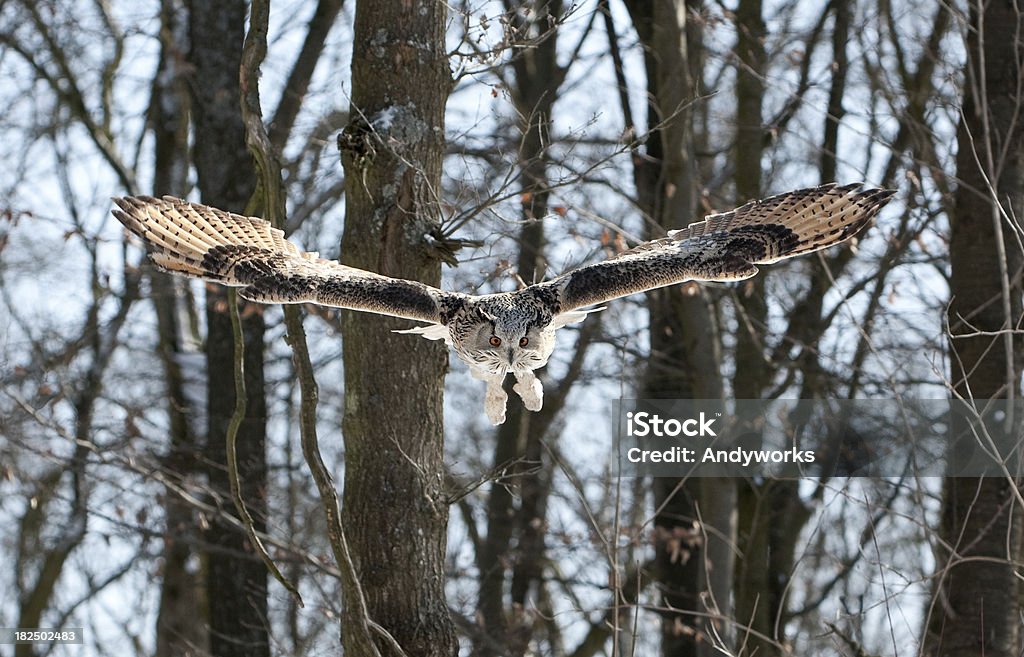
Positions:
(511, 332)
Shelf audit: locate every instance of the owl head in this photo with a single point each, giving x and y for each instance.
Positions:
(502, 342)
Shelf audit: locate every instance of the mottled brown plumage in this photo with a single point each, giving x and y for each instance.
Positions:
(496, 333)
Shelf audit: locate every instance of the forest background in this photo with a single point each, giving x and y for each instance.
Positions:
(509, 141)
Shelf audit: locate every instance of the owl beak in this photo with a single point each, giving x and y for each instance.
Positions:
(511, 357)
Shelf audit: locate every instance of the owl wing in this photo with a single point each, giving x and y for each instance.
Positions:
(248, 252)
(727, 246)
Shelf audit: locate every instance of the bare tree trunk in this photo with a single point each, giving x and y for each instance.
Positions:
(755, 605)
(751, 369)
(685, 360)
(177, 632)
(395, 507)
(978, 605)
(236, 581)
(751, 375)
(835, 113)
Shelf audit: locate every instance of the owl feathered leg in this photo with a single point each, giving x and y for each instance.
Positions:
(529, 389)
(495, 400)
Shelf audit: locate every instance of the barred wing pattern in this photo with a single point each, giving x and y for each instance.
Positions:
(511, 332)
(248, 252)
(728, 246)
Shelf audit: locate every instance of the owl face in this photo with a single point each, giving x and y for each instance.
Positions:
(501, 343)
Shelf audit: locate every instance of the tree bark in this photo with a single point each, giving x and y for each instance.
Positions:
(236, 581)
(751, 578)
(756, 578)
(177, 632)
(979, 595)
(395, 506)
(685, 359)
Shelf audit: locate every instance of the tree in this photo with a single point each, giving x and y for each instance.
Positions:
(395, 501)
(177, 632)
(976, 604)
(236, 580)
(686, 359)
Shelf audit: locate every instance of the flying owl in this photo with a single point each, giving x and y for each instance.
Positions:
(495, 334)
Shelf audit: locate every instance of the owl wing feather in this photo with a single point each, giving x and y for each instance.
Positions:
(727, 246)
(247, 252)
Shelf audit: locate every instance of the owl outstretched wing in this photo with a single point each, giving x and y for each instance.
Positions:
(249, 253)
(727, 246)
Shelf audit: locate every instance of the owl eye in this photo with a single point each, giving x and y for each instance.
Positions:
(524, 341)
(495, 341)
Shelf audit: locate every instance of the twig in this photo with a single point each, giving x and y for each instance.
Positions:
(309, 397)
(232, 455)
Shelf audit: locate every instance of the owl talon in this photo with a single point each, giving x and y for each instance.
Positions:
(530, 390)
